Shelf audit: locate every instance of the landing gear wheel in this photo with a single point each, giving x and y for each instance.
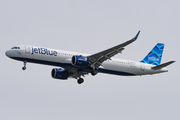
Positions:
(94, 72)
(23, 68)
(80, 80)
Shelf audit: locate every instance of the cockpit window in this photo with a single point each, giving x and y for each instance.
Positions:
(15, 48)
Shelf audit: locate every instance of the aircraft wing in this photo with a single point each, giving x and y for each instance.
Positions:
(97, 59)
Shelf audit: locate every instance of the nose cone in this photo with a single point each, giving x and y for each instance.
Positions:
(8, 53)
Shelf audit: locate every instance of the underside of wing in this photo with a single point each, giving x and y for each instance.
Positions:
(97, 59)
(75, 72)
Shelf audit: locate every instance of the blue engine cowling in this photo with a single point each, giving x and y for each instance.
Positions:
(81, 61)
(59, 74)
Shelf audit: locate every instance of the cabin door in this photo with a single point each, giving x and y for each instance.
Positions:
(27, 49)
(142, 66)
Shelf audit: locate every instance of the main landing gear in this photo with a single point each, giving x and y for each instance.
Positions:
(24, 67)
(80, 80)
(94, 72)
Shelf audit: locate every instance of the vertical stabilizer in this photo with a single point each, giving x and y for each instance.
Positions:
(154, 57)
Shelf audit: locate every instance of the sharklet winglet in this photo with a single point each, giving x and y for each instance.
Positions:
(137, 35)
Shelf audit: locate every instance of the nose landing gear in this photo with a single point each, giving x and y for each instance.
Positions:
(24, 67)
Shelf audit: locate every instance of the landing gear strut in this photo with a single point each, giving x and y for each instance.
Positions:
(80, 80)
(24, 67)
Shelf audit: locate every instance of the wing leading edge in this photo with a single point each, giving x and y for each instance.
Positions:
(97, 59)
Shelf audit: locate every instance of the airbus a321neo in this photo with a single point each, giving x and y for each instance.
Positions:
(75, 65)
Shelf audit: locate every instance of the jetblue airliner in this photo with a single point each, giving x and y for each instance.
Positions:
(75, 65)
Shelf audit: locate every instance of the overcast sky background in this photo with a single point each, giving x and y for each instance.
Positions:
(89, 27)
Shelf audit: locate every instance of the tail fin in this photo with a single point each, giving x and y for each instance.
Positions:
(154, 57)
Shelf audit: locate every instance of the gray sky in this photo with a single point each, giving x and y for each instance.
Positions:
(89, 27)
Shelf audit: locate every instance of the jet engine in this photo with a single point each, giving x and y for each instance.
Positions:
(59, 74)
(80, 61)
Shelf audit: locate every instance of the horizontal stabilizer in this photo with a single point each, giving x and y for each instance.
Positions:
(162, 65)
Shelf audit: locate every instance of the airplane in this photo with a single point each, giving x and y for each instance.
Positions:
(75, 65)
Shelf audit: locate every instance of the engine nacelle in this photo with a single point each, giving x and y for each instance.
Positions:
(81, 61)
(59, 74)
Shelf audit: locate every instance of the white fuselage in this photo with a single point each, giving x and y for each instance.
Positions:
(62, 59)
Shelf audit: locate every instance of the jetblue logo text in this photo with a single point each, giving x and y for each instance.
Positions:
(153, 58)
(43, 51)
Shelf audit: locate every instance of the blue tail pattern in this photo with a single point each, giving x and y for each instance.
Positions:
(154, 57)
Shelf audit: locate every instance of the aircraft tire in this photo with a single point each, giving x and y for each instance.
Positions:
(23, 68)
(93, 73)
(80, 80)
